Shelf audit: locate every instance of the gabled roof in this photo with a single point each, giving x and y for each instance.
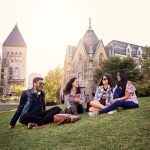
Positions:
(15, 38)
(120, 47)
(90, 39)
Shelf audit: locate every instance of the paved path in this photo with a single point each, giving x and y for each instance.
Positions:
(8, 106)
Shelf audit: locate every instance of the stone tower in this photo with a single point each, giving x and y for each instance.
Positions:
(13, 72)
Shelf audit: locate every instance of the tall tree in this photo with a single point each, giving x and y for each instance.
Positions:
(147, 54)
(18, 90)
(146, 70)
(53, 83)
(113, 64)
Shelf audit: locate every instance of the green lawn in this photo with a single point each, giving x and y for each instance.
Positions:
(125, 130)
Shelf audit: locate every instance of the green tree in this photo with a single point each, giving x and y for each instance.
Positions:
(147, 53)
(113, 64)
(18, 90)
(146, 69)
(53, 84)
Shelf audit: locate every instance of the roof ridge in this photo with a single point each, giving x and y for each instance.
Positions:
(126, 43)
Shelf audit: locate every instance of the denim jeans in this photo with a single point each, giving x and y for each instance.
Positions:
(119, 103)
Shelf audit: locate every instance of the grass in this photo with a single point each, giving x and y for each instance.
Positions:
(127, 129)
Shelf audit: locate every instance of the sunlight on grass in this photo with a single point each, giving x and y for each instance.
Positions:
(127, 129)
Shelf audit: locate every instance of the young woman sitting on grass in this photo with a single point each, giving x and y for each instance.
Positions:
(74, 97)
(103, 94)
(124, 95)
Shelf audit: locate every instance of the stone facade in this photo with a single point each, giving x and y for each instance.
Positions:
(83, 60)
(13, 68)
(123, 49)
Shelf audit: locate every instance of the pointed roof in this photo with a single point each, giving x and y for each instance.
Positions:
(90, 39)
(15, 38)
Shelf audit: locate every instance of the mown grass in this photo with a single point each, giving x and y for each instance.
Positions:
(125, 130)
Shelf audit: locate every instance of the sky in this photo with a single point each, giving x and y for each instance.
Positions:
(49, 26)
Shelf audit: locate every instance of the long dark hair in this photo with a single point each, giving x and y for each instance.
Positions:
(122, 83)
(68, 87)
(110, 81)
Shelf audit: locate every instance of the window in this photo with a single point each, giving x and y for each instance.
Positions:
(3, 70)
(110, 52)
(2, 77)
(139, 54)
(16, 57)
(85, 66)
(16, 73)
(20, 57)
(128, 52)
(8, 56)
(12, 56)
(80, 75)
(10, 73)
(101, 56)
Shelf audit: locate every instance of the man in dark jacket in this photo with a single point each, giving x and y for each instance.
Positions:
(31, 109)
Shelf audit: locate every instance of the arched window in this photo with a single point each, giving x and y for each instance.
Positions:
(139, 53)
(110, 52)
(16, 57)
(10, 73)
(101, 56)
(12, 56)
(20, 57)
(16, 73)
(80, 75)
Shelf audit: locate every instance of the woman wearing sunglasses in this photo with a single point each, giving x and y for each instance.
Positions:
(124, 95)
(103, 94)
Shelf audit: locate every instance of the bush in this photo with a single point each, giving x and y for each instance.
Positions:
(9, 100)
(50, 103)
(143, 89)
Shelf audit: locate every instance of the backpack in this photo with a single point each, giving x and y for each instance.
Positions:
(65, 118)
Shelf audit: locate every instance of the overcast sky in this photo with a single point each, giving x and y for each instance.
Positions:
(48, 26)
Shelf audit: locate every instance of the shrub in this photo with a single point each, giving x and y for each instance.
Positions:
(143, 89)
(50, 103)
(9, 100)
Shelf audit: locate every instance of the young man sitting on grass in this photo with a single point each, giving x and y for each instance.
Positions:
(31, 109)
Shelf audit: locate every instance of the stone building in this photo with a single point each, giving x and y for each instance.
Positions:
(123, 49)
(13, 63)
(83, 60)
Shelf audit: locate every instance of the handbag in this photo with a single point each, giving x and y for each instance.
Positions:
(65, 118)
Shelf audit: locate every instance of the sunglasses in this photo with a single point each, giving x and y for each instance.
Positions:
(41, 84)
(104, 79)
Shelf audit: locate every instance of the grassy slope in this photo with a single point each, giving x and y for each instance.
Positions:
(127, 129)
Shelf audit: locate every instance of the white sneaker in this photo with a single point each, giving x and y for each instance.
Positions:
(31, 125)
(112, 112)
(92, 114)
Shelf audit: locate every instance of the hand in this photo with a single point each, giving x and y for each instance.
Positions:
(113, 100)
(77, 100)
(10, 126)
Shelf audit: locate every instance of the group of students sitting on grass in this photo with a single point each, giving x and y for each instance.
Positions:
(108, 98)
